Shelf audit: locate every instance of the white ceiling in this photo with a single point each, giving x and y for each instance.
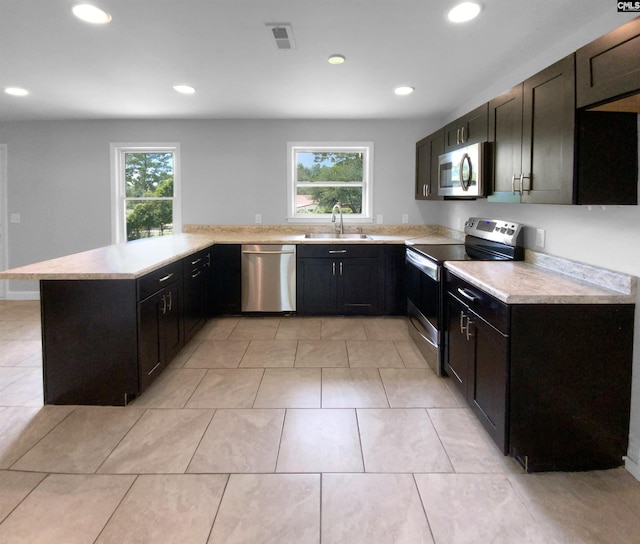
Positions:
(126, 70)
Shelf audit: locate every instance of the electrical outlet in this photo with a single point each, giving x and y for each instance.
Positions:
(405, 218)
(258, 218)
(379, 219)
(540, 237)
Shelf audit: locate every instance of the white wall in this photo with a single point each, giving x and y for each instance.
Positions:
(59, 175)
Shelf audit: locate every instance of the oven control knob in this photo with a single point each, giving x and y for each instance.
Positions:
(510, 232)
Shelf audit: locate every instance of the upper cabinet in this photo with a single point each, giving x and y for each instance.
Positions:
(567, 135)
(609, 66)
(531, 130)
(427, 152)
(468, 129)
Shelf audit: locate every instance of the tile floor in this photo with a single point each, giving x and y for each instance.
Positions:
(280, 430)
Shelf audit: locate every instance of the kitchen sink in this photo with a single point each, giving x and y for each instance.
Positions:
(337, 236)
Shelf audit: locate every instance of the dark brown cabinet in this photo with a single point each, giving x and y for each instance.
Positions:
(197, 306)
(551, 383)
(478, 355)
(340, 279)
(226, 274)
(105, 341)
(468, 129)
(532, 134)
(160, 335)
(427, 152)
(609, 66)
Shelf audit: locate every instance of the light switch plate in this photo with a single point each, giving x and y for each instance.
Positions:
(405, 218)
(258, 218)
(379, 219)
(540, 237)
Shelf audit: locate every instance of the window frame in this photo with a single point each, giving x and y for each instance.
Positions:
(118, 188)
(326, 147)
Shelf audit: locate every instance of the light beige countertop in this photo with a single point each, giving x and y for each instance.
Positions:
(527, 282)
(137, 258)
(120, 261)
(295, 234)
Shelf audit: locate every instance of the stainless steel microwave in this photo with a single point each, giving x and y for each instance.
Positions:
(461, 172)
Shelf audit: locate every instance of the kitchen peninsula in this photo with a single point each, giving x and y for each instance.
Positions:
(113, 317)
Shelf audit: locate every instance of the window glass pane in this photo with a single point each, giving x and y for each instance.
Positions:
(322, 199)
(146, 218)
(324, 167)
(148, 174)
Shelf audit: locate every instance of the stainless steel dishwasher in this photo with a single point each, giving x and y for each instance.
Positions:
(268, 278)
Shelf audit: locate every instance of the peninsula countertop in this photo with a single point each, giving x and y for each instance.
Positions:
(134, 259)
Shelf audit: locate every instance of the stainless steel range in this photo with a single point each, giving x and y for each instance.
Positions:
(485, 240)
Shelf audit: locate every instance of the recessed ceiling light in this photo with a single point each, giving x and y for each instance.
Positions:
(404, 90)
(184, 89)
(337, 59)
(464, 12)
(91, 14)
(16, 91)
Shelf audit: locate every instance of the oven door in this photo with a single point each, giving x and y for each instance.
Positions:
(424, 306)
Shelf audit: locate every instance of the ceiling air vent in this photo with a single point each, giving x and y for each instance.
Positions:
(282, 35)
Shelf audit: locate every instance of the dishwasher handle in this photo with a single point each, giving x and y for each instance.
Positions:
(261, 252)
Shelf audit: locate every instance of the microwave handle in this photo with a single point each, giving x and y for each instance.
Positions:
(464, 183)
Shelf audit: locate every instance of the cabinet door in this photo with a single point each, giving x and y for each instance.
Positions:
(609, 66)
(488, 395)
(358, 286)
(316, 286)
(460, 345)
(226, 279)
(549, 134)
(468, 129)
(149, 363)
(171, 337)
(505, 136)
(427, 152)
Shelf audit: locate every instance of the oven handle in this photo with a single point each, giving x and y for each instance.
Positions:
(423, 264)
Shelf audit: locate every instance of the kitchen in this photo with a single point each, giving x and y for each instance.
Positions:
(51, 212)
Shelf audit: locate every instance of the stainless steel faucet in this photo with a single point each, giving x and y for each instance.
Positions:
(339, 230)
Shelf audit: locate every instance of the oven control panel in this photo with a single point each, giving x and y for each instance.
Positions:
(497, 230)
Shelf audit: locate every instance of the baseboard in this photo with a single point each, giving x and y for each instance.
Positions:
(23, 295)
(633, 468)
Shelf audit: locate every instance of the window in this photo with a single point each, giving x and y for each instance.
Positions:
(145, 181)
(323, 174)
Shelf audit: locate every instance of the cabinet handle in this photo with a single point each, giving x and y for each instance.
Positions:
(466, 294)
(168, 276)
(170, 302)
(333, 268)
(463, 327)
(196, 261)
(153, 370)
(164, 305)
(196, 274)
(523, 177)
(458, 136)
(333, 251)
(341, 268)
(462, 139)
(513, 184)
(427, 189)
(468, 329)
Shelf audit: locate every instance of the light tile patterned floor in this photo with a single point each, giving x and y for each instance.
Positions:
(280, 430)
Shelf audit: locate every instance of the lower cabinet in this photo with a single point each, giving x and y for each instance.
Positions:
(340, 279)
(105, 341)
(198, 290)
(551, 383)
(226, 271)
(477, 362)
(160, 333)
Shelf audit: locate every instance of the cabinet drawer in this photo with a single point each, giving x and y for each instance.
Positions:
(156, 280)
(486, 306)
(337, 251)
(197, 261)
